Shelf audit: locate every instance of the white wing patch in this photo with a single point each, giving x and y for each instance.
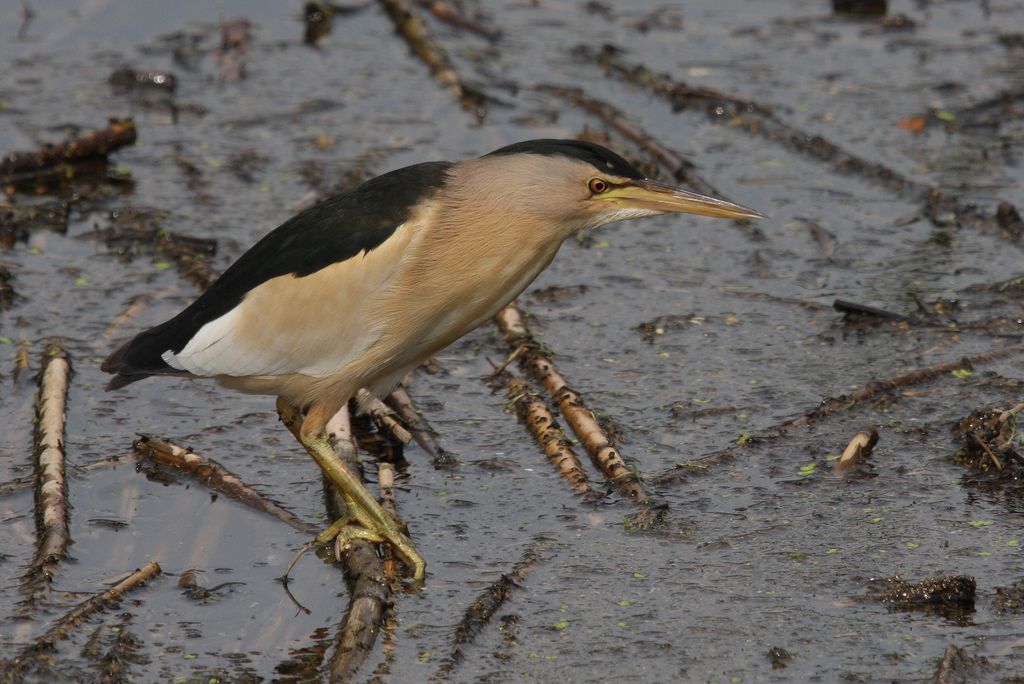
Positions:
(219, 349)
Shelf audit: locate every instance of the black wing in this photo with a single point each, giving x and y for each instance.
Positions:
(332, 231)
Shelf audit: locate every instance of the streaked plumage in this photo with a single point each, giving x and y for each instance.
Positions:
(361, 288)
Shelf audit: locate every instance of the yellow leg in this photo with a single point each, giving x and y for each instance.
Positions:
(364, 519)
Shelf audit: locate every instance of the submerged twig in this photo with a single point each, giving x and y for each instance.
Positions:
(140, 230)
(570, 403)
(216, 477)
(449, 14)
(22, 166)
(410, 26)
(758, 119)
(855, 309)
(828, 407)
(53, 532)
(92, 605)
(675, 165)
(20, 483)
(38, 651)
(483, 608)
(887, 385)
(957, 666)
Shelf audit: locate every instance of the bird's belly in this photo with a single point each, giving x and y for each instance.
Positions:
(448, 310)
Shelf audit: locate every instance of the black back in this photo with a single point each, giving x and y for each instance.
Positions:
(332, 231)
(601, 158)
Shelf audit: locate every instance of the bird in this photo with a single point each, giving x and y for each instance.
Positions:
(356, 291)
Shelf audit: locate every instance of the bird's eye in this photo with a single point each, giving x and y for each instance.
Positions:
(598, 185)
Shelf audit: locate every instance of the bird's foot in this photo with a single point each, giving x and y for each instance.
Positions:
(365, 518)
(386, 529)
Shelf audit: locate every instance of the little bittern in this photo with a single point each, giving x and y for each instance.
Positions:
(359, 289)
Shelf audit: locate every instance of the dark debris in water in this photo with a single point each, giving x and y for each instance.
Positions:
(950, 596)
(990, 442)
(128, 80)
(654, 328)
(139, 231)
(18, 221)
(7, 293)
(303, 662)
(860, 8)
(778, 657)
(1010, 599)
(188, 582)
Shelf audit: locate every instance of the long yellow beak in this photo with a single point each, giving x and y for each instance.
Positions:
(648, 194)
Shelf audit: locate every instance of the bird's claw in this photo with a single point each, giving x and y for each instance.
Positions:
(359, 525)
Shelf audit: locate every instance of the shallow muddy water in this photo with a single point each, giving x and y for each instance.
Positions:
(760, 552)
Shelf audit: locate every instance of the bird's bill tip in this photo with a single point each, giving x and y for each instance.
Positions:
(647, 194)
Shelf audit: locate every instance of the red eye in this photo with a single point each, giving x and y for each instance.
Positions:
(598, 185)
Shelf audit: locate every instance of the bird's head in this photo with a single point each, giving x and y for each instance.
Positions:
(578, 185)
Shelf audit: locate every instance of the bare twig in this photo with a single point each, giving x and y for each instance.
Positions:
(386, 484)
(216, 477)
(52, 525)
(410, 26)
(570, 403)
(987, 449)
(401, 402)
(21, 360)
(383, 416)
(1007, 414)
(369, 590)
(868, 392)
(446, 12)
(549, 435)
(860, 447)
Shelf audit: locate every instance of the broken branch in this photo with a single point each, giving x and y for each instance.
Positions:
(94, 604)
(22, 166)
(549, 435)
(216, 477)
(369, 590)
(421, 431)
(411, 27)
(570, 403)
(868, 392)
(383, 417)
(52, 525)
(483, 608)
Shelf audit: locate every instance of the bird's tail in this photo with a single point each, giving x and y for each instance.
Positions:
(139, 358)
